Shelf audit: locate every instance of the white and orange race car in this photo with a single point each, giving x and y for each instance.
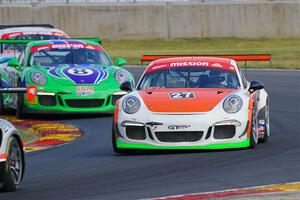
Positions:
(191, 103)
(12, 157)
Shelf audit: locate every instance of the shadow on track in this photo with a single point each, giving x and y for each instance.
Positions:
(171, 152)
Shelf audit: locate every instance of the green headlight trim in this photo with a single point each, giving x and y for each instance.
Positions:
(243, 144)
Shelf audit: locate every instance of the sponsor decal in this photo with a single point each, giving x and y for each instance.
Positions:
(85, 90)
(80, 75)
(37, 33)
(181, 95)
(58, 34)
(261, 122)
(42, 48)
(80, 71)
(10, 35)
(261, 127)
(159, 66)
(178, 127)
(217, 65)
(63, 45)
(89, 47)
(67, 46)
(15, 34)
(177, 64)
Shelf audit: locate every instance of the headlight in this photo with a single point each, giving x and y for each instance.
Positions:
(232, 104)
(38, 78)
(131, 104)
(121, 76)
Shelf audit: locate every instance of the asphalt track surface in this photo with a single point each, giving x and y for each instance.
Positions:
(89, 169)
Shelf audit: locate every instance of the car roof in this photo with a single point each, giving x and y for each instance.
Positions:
(210, 62)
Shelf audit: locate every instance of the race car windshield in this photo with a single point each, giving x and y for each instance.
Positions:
(12, 48)
(52, 57)
(190, 78)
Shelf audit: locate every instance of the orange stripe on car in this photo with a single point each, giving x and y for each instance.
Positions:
(116, 115)
(250, 115)
(116, 112)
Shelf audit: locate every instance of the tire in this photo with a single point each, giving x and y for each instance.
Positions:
(254, 132)
(13, 168)
(267, 125)
(1, 99)
(20, 104)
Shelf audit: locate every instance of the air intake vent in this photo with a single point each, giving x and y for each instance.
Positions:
(224, 132)
(136, 132)
(84, 103)
(47, 100)
(179, 136)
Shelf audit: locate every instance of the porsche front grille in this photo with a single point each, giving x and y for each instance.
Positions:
(179, 136)
(84, 103)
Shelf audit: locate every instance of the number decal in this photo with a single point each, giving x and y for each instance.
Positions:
(80, 71)
(181, 95)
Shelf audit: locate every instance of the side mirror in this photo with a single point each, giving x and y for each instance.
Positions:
(255, 85)
(120, 62)
(126, 86)
(13, 63)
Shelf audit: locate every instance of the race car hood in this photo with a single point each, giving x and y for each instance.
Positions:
(76, 74)
(183, 100)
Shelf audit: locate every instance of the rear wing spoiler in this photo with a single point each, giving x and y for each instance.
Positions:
(236, 57)
(26, 25)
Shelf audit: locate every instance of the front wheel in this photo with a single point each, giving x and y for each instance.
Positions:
(254, 132)
(267, 125)
(14, 166)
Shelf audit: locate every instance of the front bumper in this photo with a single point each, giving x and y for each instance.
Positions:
(178, 131)
(67, 101)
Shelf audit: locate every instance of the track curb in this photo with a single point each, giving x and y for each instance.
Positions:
(242, 192)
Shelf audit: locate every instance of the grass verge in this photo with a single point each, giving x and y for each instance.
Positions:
(285, 52)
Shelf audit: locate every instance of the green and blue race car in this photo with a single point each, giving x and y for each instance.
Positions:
(69, 76)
